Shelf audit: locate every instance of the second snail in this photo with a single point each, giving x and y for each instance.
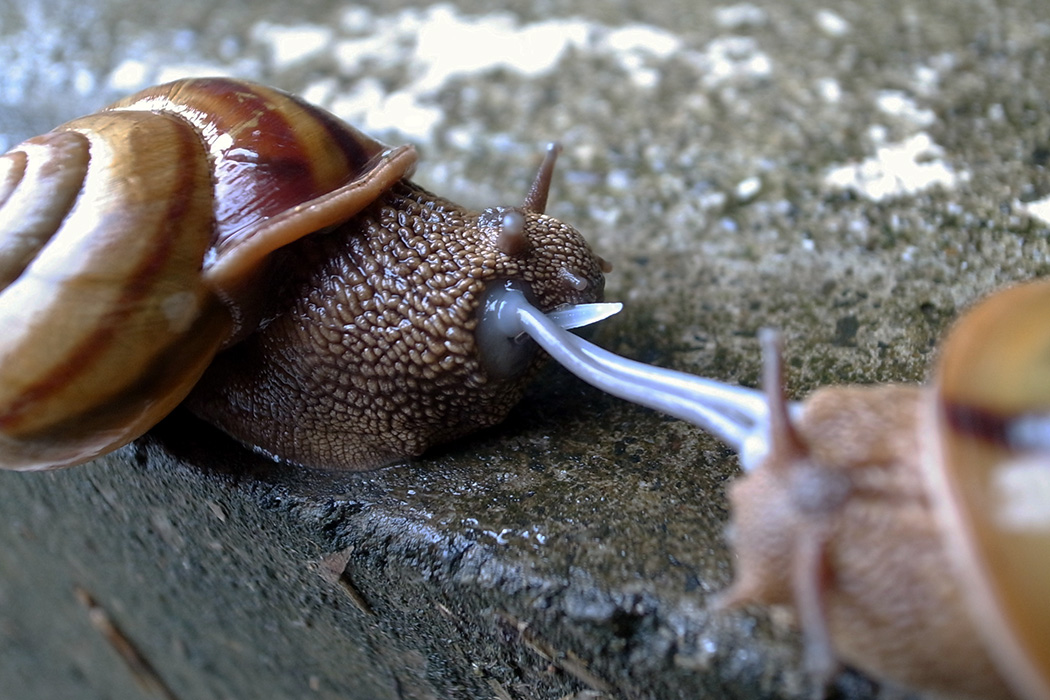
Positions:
(907, 526)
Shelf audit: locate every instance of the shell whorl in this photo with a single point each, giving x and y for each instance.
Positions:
(94, 315)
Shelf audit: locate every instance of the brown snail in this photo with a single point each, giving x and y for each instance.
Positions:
(217, 216)
(908, 526)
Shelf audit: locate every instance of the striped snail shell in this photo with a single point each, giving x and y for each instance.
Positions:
(217, 216)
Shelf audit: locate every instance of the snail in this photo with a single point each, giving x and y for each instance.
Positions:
(909, 526)
(226, 244)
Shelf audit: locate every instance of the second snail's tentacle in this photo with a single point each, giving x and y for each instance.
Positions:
(783, 438)
(737, 415)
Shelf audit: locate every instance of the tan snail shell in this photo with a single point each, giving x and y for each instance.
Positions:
(217, 215)
(910, 526)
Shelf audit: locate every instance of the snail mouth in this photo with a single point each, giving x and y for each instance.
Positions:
(505, 351)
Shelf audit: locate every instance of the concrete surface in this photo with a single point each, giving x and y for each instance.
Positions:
(853, 173)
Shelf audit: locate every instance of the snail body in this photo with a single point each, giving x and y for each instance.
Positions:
(844, 532)
(218, 217)
(909, 526)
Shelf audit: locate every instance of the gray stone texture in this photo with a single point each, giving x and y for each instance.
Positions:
(571, 551)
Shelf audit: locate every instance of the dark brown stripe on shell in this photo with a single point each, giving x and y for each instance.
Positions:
(137, 288)
(269, 165)
(993, 427)
(163, 374)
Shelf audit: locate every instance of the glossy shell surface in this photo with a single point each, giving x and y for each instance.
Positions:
(131, 244)
(990, 472)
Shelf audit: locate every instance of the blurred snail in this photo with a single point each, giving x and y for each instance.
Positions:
(908, 526)
(222, 238)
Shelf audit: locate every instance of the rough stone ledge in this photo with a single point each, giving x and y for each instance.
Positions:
(573, 549)
(505, 574)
